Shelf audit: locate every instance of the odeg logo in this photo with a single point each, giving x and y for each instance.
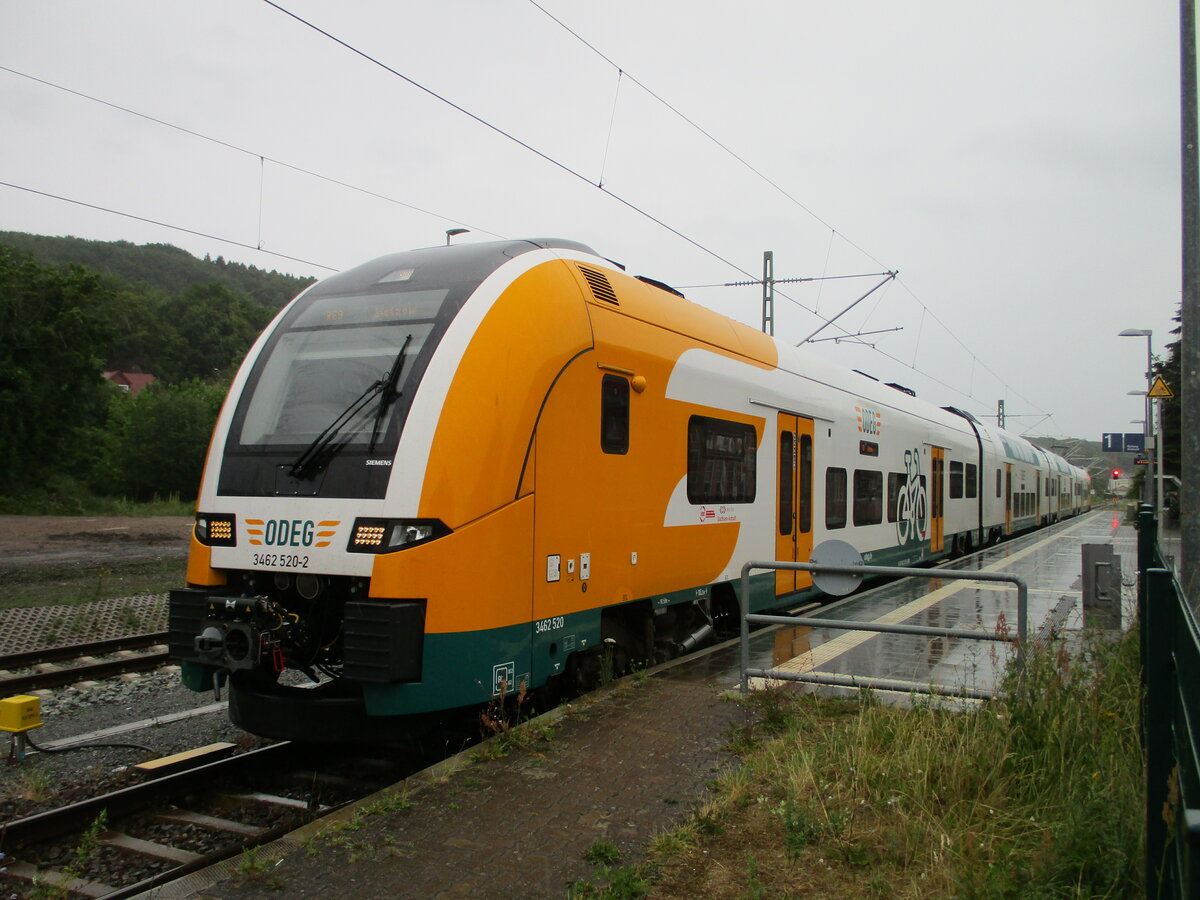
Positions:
(288, 532)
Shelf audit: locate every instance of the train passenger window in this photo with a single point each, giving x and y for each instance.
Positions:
(895, 486)
(806, 482)
(614, 414)
(787, 466)
(998, 493)
(971, 481)
(956, 480)
(868, 497)
(722, 460)
(835, 498)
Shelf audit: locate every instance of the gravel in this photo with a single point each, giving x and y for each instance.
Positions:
(44, 780)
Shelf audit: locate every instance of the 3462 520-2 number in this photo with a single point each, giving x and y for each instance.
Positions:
(280, 560)
(552, 624)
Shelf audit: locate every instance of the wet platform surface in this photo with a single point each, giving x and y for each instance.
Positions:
(1050, 562)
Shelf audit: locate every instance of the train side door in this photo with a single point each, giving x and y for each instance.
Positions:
(1008, 510)
(937, 506)
(1039, 497)
(793, 533)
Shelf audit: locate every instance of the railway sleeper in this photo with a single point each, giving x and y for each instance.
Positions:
(315, 780)
(210, 823)
(129, 844)
(27, 872)
(260, 797)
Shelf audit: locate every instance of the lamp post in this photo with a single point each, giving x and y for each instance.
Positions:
(1149, 430)
(454, 232)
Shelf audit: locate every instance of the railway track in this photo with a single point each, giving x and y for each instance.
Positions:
(85, 667)
(125, 842)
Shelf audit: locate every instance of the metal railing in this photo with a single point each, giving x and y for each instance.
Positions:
(856, 681)
(1170, 645)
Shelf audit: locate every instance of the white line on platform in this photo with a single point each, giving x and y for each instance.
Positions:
(820, 656)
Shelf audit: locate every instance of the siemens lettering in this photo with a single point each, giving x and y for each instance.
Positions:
(285, 533)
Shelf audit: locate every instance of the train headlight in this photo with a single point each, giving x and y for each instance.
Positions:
(388, 535)
(216, 531)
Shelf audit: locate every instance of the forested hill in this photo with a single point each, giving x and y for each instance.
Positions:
(160, 267)
(71, 309)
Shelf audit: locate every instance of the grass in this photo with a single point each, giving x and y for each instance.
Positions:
(610, 881)
(51, 585)
(257, 868)
(33, 782)
(66, 497)
(505, 725)
(82, 859)
(603, 853)
(1035, 794)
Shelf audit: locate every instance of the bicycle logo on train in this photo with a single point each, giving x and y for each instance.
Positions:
(912, 506)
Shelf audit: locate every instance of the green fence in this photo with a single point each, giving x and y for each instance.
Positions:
(1170, 723)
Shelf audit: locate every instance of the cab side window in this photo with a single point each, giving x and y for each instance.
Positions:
(614, 414)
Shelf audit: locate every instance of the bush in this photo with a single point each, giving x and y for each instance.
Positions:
(153, 445)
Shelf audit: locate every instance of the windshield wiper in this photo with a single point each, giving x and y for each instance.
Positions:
(323, 448)
(390, 394)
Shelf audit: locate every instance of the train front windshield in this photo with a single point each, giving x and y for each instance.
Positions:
(323, 406)
(336, 367)
(327, 359)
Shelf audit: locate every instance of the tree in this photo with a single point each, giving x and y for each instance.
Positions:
(1171, 409)
(155, 442)
(216, 326)
(55, 327)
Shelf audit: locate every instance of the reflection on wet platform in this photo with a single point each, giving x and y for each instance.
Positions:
(1048, 560)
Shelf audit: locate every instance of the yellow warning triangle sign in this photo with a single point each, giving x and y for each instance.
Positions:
(1159, 390)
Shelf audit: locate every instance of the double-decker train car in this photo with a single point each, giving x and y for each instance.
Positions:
(451, 473)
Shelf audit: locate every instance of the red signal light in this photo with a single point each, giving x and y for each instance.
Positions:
(1116, 473)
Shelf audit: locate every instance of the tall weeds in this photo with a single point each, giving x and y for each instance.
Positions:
(1035, 794)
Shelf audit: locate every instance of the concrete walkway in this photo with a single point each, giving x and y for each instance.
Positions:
(621, 766)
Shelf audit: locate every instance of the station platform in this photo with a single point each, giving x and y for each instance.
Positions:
(1050, 562)
(633, 760)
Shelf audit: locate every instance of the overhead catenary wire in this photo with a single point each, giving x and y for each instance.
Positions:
(777, 187)
(161, 224)
(611, 121)
(243, 150)
(506, 135)
(264, 159)
(889, 277)
(686, 119)
(622, 73)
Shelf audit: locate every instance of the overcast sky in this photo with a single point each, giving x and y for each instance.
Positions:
(1017, 163)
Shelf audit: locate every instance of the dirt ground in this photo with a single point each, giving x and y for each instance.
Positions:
(68, 541)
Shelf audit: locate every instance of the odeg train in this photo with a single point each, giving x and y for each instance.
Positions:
(456, 472)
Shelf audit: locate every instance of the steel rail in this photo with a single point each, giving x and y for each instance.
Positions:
(75, 651)
(54, 823)
(23, 684)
